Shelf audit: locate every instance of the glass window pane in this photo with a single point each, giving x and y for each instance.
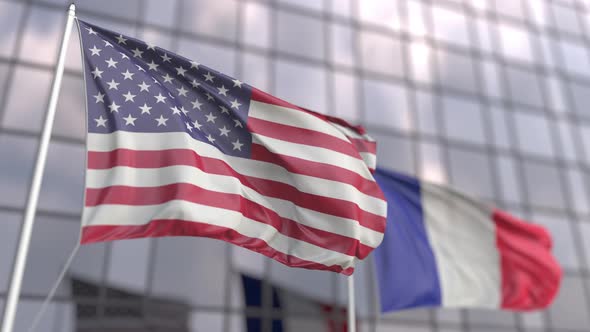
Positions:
(207, 321)
(570, 308)
(493, 88)
(524, 87)
(11, 14)
(70, 116)
(509, 184)
(159, 38)
(183, 277)
(463, 120)
(122, 9)
(581, 98)
(562, 235)
(129, 261)
(483, 35)
(73, 58)
(89, 262)
(420, 61)
(556, 94)
(63, 182)
(431, 163)
(309, 4)
(212, 18)
(470, 173)
(585, 135)
(500, 128)
(301, 85)
(386, 105)
(504, 319)
(345, 97)
(255, 26)
(216, 57)
(532, 320)
(515, 42)
(456, 71)
(387, 326)
(52, 241)
(25, 106)
(395, 153)
(15, 171)
(341, 7)
(538, 11)
(381, 54)
(382, 12)
(568, 149)
(43, 32)
(248, 262)
(450, 26)
(511, 8)
(417, 315)
(585, 237)
(291, 29)
(533, 133)
(427, 118)
(416, 18)
(448, 316)
(10, 224)
(577, 185)
(575, 58)
(3, 82)
(160, 12)
(255, 71)
(52, 319)
(547, 48)
(543, 185)
(566, 19)
(342, 41)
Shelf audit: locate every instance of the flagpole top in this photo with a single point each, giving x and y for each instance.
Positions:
(72, 9)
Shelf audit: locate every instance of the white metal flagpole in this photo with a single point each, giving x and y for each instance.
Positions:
(29, 218)
(351, 306)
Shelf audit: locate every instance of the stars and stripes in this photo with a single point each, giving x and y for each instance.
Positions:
(178, 149)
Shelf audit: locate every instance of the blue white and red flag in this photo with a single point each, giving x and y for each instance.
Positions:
(443, 248)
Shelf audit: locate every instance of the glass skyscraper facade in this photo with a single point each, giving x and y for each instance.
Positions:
(489, 96)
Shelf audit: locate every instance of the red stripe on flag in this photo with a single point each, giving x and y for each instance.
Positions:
(363, 145)
(301, 136)
(138, 196)
(270, 188)
(316, 169)
(530, 274)
(159, 228)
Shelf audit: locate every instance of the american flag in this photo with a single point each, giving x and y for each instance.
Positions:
(176, 148)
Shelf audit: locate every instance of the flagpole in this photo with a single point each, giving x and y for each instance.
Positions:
(31, 209)
(351, 306)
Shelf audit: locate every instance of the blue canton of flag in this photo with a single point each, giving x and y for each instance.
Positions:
(139, 87)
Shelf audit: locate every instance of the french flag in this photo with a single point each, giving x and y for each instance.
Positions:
(442, 248)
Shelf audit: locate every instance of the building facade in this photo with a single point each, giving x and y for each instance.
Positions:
(489, 96)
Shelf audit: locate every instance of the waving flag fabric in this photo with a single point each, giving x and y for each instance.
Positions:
(178, 149)
(442, 248)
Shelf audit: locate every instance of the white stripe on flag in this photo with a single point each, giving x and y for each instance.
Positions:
(468, 265)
